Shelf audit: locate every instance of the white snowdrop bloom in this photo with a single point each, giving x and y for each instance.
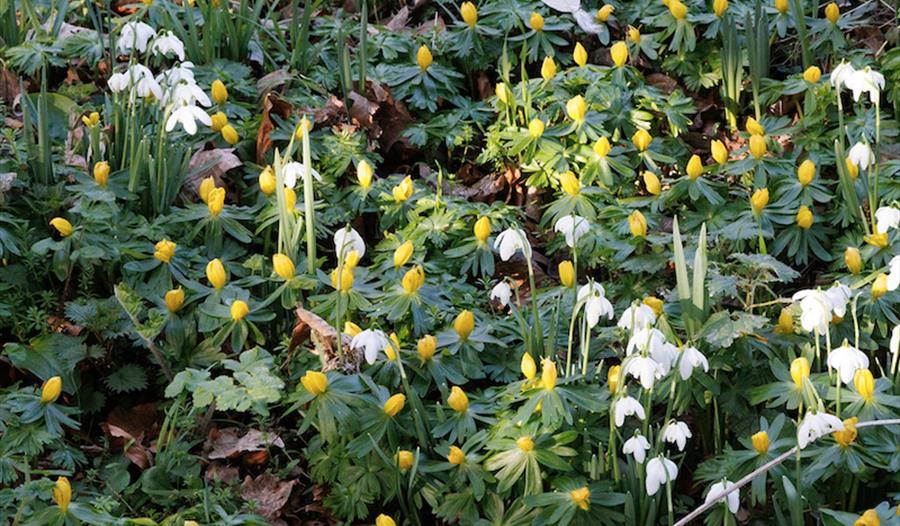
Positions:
(637, 317)
(118, 82)
(840, 73)
(838, 297)
(168, 43)
(347, 240)
(659, 470)
(572, 227)
(636, 446)
(183, 72)
(815, 425)
(690, 359)
(627, 406)
(372, 342)
(886, 218)
(564, 6)
(186, 93)
(861, 155)
(815, 310)
(293, 172)
(587, 21)
(645, 340)
(895, 342)
(665, 355)
(846, 360)
(865, 80)
(137, 77)
(501, 292)
(643, 368)
(893, 280)
(593, 297)
(134, 35)
(510, 241)
(677, 432)
(187, 116)
(718, 489)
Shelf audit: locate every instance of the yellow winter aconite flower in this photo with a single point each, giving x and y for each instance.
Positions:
(215, 201)
(62, 494)
(719, 151)
(880, 286)
(413, 280)
(283, 266)
(394, 404)
(781, 6)
(641, 140)
(799, 371)
(91, 120)
(760, 442)
(832, 13)
(566, 273)
(290, 199)
(219, 92)
(62, 225)
(877, 240)
(206, 185)
(174, 299)
(758, 146)
(267, 181)
(346, 279)
(351, 329)
(464, 324)
(759, 200)
(364, 173)
(864, 383)
(536, 21)
(846, 436)
(391, 350)
(548, 375)
(239, 309)
(694, 167)
(654, 303)
(785, 323)
(351, 259)
(426, 346)
(852, 169)
(579, 55)
(634, 34)
(581, 497)
(404, 459)
(853, 260)
(576, 108)
(637, 223)
(458, 401)
(527, 366)
(678, 10)
(548, 68)
(619, 55)
(469, 13)
(602, 147)
(612, 378)
(812, 74)
(604, 12)
(314, 382)
(456, 456)
(101, 173)
(502, 92)
(482, 229)
(384, 520)
(536, 128)
(404, 190)
(804, 217)
(651, 182)
(719, 7)
(753, 127)
(423, 57)
(570, 183)
(218, 121)
(164, 250)
(230, 134)
(303, 128)
(403, 253)
(51, 389)
(806, 172)
(215, 274)
(526, 444)
(870, 518)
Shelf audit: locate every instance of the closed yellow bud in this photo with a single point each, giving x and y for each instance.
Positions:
(456, 456)
(239, 309)
(877, 240)
(283, 266)
(753, 127)
(458, 401)
(678, 10)
(303, 128)
(612, 378)
(806, 172)
(602, 147)
(536, 21)
(174, 299)
(579, 55)
(799, 371)
(314, 382)
(62, 494)
(469, 13)
(404, 190)
(164, 250)
(548, 375)
(846, 436)
(413, 279)
(218, 121)
(604, 12)
(215, 201)
(785, 323)
(364, 173)
(654, 303)
(852, 169)
(346, 279)
(404, 459)
(525, 444)
(527, 366)
(581, 497)
(548, 68)
(391, 350)
(694, 167)
(394, 404)
(569, 183)
(832, 12)
(230, 134)
(619, 54)
(719, 151)
(536, 128)
(637, 223)
(758, 146)
(641, 140)
(812, 74)
(804, 217)
(101, 173)
(853, 260)
(215, 274)
(759, 200)
(426, 346)
(51, 390)
(219, 92)
(864, 383)
(760, 442)
(781, 6)
(62, 225)
(464, 324)
(879, 286)
(403, 253)
(423, 57)
(290, 199)
(384, 520)
(634, 34)
(502, 92)
(576, 108)
(566, 273)
(651, 182)
(351, 329)
(482, 229)
(91, 120)
(870, 518)
(206, 185)
(267, 181)
(719, 7)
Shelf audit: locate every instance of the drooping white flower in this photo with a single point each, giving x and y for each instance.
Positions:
(168, 43)
(372, 342)
(637, 317)
(815, 310)
(186, 93)
(510, 241)
(840, 73)
(644, 368)
(137, 77)
(838, 297)
(815, 425)
(587, 22)
(861, 155)
(690, 359)
(636, 446)
(665, 355)
(187, 117)
(573, 227)
(347, 240)
(627, 406)
(886, 218)
(564, 6)
(847, 359)
(593, 297)
(894, 346)
(893, 280)
(865, 80)
(659, 470)
(677, 432)
(645, 340)
(718, 489)
(134, 35)
(183, 72)
(293, 172)
(501, 292)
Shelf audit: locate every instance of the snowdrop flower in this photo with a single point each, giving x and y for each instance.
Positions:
(644, 340)
(691, 358)
(501, 292)
(865, 80)
(347, 240)
(719, 488)
(137, 77)
(565, 6)
(895, 346)
(644, 368)
(181, 73)
(372, 342)
(659, 470)
(893, 279)
(573, 227)
(838, 296)
(187, 117)
(292, 172)
(186, 93)
(886, 218)
(861, 155)
(586, 21)
(665, 355)
(627, 406)
(815, 425)
(595, 303)
(134, 35)
(840, 74)
(510, 241)
(847, 360)
(815, 310)
(637, 317)
(636, 446)
(168, 43)
(677, 433)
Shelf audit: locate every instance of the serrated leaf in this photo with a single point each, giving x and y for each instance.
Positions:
(126, 379)
(723, 327)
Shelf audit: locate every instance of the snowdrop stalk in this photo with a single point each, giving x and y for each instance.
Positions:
(873, 195)
(308, 202)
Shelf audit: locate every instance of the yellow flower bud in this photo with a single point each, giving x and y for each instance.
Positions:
(458, 401)
(423, 57)
(604, 12)
(719, 7)
(832, 12)
(51, 390)
(853, 260)
(602, 147)
(694, 167)
(62, 494)
(548, 68)
(804, 217)
(527, 366)
(215, 201)
(864, 383)
(806, 172)
(384, 520)
(174, 299)
(482, 229)
(785, 323)
(781, 6)
(403, 253)
(469, 13)
(581, 497)
(314, 382)
(799, 371)
(91, 120)
(758, 146)
(526, 444)
(576, 108)
(303, 128)
(569, 183)
(164, 250)
(456, 456)
(870, 518)
(351, 329)
(267, 181)
(719, 151)
(413, 280)
(879, 286)
(364, 173)
(654, 303)
(641, 140)
(426, 346)
(404, 190)
(619, 54)
(394, 404)
(651, 183)
(290, 199)
(283, 266)
(346, 278)
(536, 128)
(101, 173)
(206, 185)
(812, 74)
(877, 240)
(637, 223)
(759, 200)
(62, 225)
(548, 374)
(502, 92)
(612, 378)
(846, 436)
(391, 350)
(239, 309)
(464, 324)
(219, 92)
(678, 10)
(215, 274)
(404, 459)
(634, 34)
(580, 55)
(218, 121)
(852, 169)
(753, 127)
(566, 273)
(760, 442)
(230, 134)
(536, 21)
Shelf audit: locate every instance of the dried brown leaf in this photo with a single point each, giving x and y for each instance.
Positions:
(268, 492)
(271, 105)
(226, 443)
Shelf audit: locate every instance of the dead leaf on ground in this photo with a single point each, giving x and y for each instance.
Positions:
(208, 163)
(130, 429)
(362, 111)
(9, 86)
(330, 112)
(399, 20)
(271, 81)
(272, 105)
(309, 326)
(268, 492)
(229, 443)
(222, 472)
